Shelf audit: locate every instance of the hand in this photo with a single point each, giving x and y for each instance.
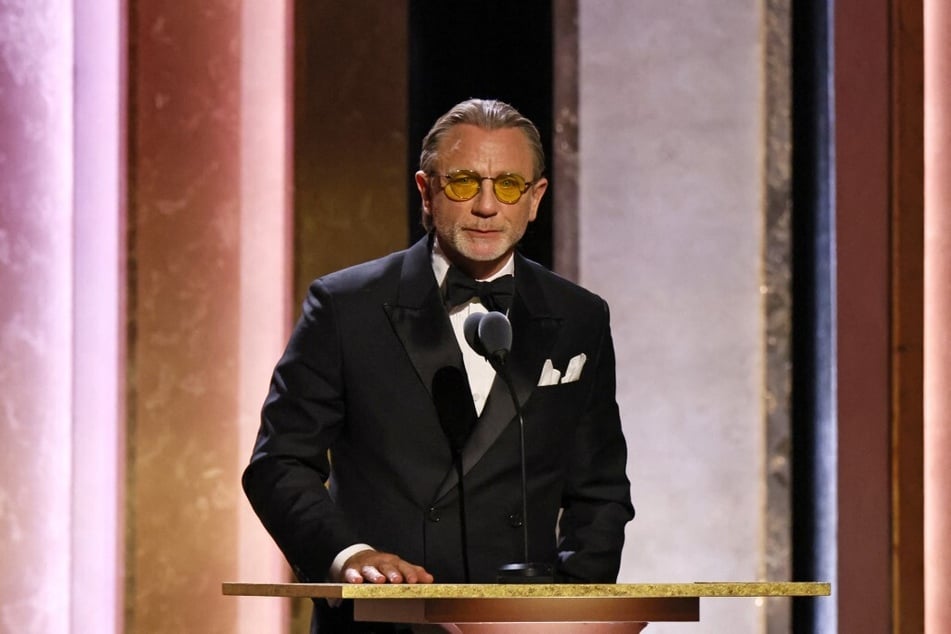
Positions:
(377, 567)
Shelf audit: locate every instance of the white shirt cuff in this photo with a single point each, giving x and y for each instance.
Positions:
(336, 568)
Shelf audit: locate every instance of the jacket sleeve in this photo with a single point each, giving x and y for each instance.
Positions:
(302, 415)
(596, 501)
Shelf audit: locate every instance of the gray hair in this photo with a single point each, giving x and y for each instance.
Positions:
(488, 114)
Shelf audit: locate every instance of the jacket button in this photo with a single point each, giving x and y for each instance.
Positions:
(515, 520)
(432, 514)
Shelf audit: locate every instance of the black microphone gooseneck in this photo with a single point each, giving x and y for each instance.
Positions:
(490, 335)
(457, 417)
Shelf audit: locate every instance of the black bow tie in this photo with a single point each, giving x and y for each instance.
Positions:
(494, 295)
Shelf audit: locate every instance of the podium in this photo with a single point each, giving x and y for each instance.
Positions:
(496, 608)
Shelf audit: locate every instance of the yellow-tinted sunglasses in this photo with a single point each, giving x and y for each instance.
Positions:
(464, 185)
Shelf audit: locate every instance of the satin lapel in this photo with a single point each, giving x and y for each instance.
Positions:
(534, 332)
(420, 320)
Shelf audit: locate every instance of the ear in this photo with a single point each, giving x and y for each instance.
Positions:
(538, 190)
(425, 192)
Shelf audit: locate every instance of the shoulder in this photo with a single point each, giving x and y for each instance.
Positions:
(375, 279)
(559, 292)
(364, 275)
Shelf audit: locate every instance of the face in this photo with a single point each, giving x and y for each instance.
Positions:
(479, 234)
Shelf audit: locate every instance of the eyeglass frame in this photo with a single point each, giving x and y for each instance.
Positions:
(479, 177)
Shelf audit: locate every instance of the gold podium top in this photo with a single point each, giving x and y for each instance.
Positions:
(501, 591)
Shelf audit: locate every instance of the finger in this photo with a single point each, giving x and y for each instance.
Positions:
(416, 574)
(424, 576)
(371, 574)
(394, 577)
(409, 573)
(352, 575)
(392, 574)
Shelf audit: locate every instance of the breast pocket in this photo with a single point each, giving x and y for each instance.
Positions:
(556, 408)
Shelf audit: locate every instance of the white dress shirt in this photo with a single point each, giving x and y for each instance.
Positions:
(479, 370)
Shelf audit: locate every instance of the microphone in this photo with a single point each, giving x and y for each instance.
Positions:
(490, 335)
(457, 417)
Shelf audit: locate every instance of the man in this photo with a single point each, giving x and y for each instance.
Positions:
(356, 381)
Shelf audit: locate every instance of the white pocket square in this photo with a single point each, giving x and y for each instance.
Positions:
(573, 371)
(549, 376)
(552, 376)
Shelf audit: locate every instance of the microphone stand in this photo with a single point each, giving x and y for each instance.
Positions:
(525, 571)
(457, 460)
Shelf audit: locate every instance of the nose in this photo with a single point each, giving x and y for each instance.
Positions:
(485, 203)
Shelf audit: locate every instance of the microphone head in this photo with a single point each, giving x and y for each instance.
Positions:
(454, 406)
(470, 329)
(495, 335)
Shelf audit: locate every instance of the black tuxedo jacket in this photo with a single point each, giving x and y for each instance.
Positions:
(355, 381)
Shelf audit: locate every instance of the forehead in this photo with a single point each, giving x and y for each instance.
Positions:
(467, 146)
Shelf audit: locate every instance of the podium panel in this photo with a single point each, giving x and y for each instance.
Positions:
(530, 610)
